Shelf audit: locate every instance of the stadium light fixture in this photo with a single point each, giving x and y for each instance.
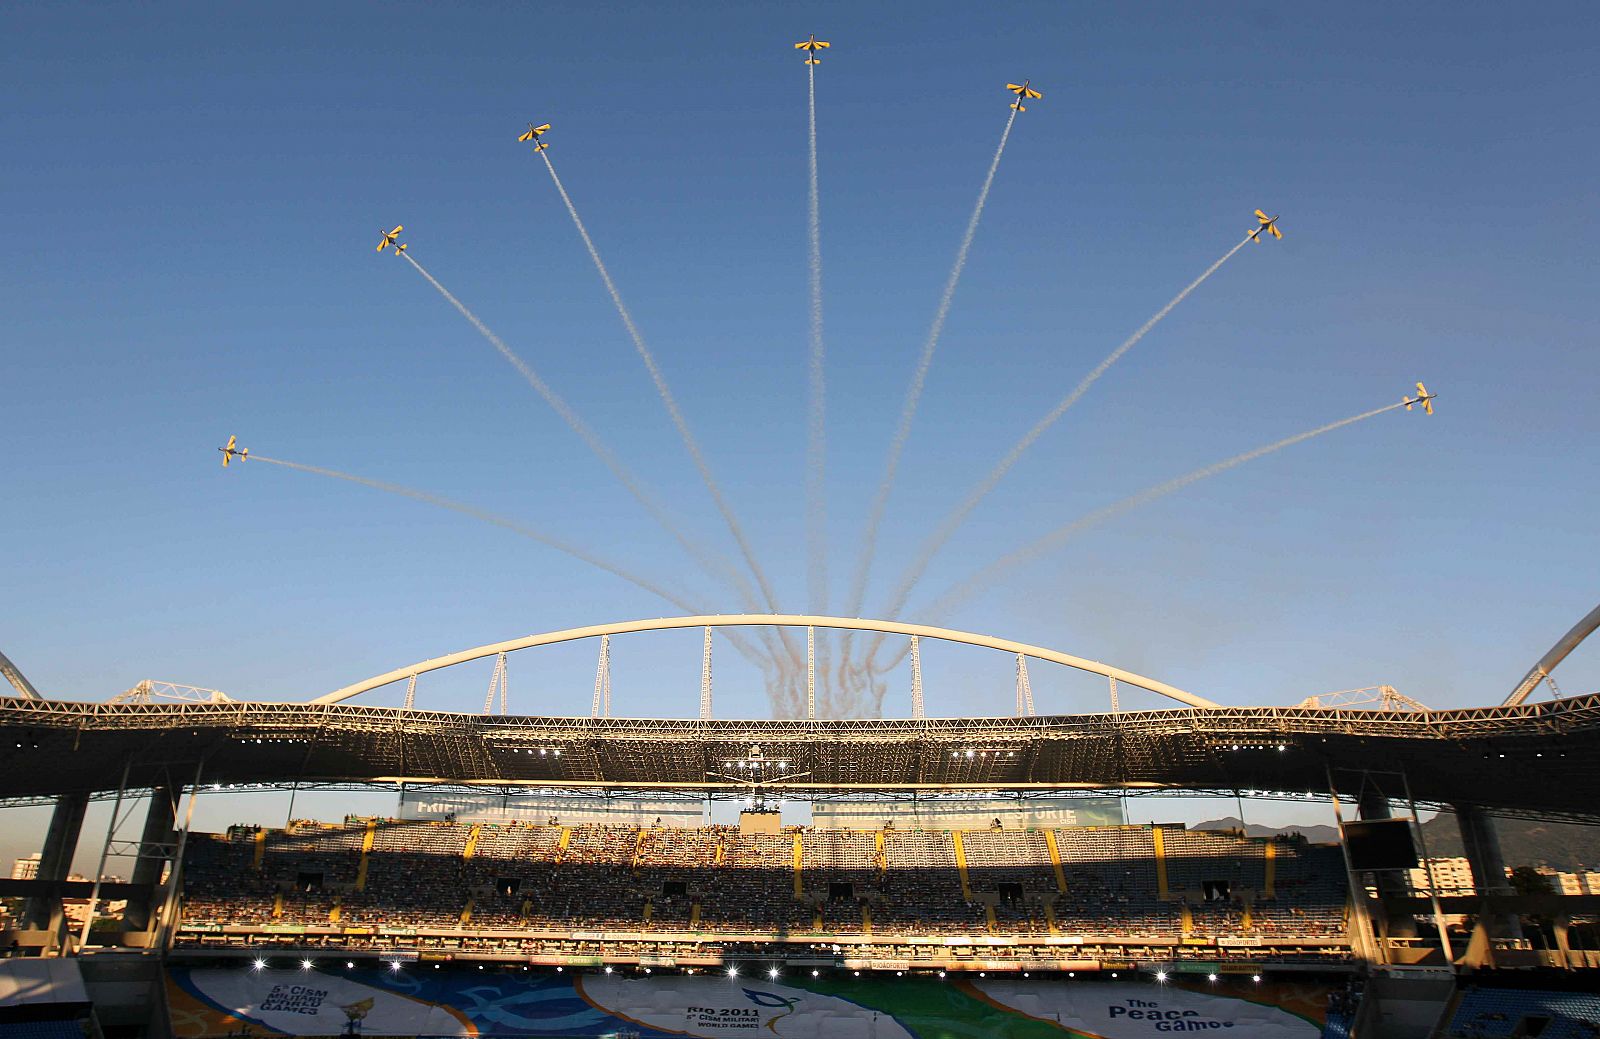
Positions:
(1161, 975)
(941, 974)
(1113, 974)
(259, 964)
(558, 969)
(349, 965)
(608, 968)
(1211, 977)
(394, 965)
(816, 973)
(857, 974)
(1255, 978)
(733, 972)
(772, 973)
(305, 964)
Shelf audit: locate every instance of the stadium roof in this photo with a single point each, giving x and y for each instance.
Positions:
(1541, 758)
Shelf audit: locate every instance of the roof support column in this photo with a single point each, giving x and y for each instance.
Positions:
(916, 677)
(705, 676)
(1024, 689)
(43, 912)
(602, 681)
(1362, 942)
(1391, 883)
(155, 850)
(811, 672)
(1481, 839)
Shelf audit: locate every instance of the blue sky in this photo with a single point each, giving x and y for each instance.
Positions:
(192, 194)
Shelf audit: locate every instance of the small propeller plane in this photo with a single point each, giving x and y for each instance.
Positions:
(533, 133)
(1268, 224)
(1423, 397)
(811, 46)
(232, 450)
(389, 237)
(1024, 93)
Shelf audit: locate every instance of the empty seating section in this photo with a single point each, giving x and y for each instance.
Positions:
(1310, 889)
(1111, 884)
(1014, 867)
(842, 868)
(1486, 1013)
(484, 878)
(921, 888)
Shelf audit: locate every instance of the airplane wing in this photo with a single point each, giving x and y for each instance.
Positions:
(1015, 88)
(1262, 215)
(397, 229)
(1033, 93)
(802, 45)
(526, 135)
(1275, 232)
(821, 44)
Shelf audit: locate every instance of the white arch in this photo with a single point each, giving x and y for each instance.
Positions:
(24, 687)
(1547, 663)
(783, 620)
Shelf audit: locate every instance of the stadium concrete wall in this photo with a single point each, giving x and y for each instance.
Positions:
(422, 1001)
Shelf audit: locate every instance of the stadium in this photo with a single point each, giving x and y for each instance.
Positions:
(561, 876)
(1167, 835)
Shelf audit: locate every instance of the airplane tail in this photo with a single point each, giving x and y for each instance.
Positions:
(1018, 106)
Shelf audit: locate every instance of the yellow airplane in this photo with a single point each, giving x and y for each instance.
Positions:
(1423, 397)
(231, 450)
(1023, 92)
(811, 46)
(1269, 224)
(389, 237)
(533, 134)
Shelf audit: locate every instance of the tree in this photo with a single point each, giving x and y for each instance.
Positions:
(1525, 880)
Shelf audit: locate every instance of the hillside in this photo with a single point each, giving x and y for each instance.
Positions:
(1318, 834)
(1563, 846)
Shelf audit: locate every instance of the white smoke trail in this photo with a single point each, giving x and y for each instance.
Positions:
(992, 573)
(718, 569)
(908, 411)
(514, 527)
(816, 431)
(668, 400)
(951, 523)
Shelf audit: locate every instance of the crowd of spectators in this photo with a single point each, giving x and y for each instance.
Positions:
(405, 877)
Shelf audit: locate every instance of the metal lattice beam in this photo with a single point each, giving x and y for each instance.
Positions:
(1542, 757)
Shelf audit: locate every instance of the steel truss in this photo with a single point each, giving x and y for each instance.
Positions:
(1540, 758)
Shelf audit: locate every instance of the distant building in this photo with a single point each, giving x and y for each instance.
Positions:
(1582, 883)
(26, 868)
(1452, 876)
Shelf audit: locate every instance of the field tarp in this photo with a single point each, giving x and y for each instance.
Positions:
(421, 1001)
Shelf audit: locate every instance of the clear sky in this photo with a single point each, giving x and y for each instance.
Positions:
(191, 196)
